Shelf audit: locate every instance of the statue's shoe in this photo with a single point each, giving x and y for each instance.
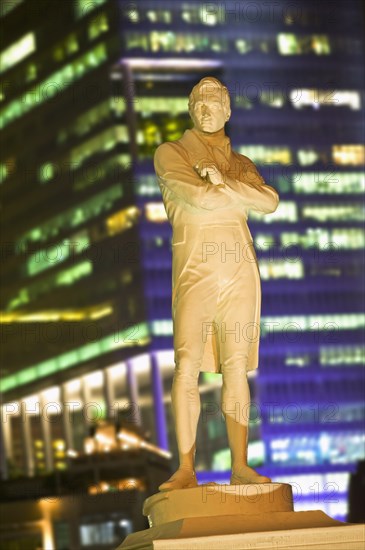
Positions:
(181, 479)
(246, 475)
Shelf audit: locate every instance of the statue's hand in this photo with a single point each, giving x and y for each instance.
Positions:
(209, 171)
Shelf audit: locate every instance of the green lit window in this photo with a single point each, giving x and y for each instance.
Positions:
(3, 172)
(53, 85)
(342, 355)
(307, 156)
(286, 211)
(266, 155)
(281, 269)
(17, 51)
(102, 142)
(83, 7)
(46, 172)
(45, 259)
(171, 105)
(98, 26)
(158, 16)
(115, 167)
(291, 44)
(136, 41)
(69, 359)
(70, 276)
(329, 182)
(102, 202)
(354, 212)
(31, 72)
(325, 239)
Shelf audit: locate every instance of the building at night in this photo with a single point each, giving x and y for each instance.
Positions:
(89, 89)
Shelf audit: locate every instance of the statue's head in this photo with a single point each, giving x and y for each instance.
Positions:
(209, 105)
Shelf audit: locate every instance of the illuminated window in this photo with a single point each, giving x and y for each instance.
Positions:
(286, 211)
(155, 212)
(316, 98)
(54, 84)
(67, 47)
(131, 13)
(82, 7)
(73, 217)
(307, 156)
(325, 239)
(70, 276)
(348, 154)
(342, 355)
(264, 241)
(46, 172)
(172, 105)
(280, 269)
(159, 16)
(113, 167)
(266, 155)
(122, 220)
(291, 44)
(243, 45)
(320, 213)
(329, 182)
(136, 41)
(116, 340)
(102, 142)
(17, 51)
(31, 72)
(98, 26)
(273, 98)
(147, 186)
(45, 259)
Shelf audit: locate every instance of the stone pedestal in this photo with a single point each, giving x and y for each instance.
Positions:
(239, 517)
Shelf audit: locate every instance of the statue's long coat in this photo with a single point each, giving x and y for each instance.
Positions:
(194, 205)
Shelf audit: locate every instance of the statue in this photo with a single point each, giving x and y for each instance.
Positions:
(207, 190)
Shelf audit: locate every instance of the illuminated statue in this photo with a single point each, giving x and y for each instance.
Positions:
(207, 191)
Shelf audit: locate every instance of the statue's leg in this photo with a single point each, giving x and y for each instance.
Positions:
(236, 313)
(194, 306)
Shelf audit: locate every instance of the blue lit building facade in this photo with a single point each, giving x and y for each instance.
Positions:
(86, 311)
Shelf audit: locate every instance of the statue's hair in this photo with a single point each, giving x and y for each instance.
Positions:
(213, 84)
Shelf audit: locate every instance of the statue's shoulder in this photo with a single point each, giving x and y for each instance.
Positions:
(168, 148)
(242, 158)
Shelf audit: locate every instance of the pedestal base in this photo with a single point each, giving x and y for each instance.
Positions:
(239, 517)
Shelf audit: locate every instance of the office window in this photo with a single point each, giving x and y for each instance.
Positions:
(291, 44)
(286, 211)
(348, 154)
(325, 213)
(158, 16)
(329, 182)
(155, 212)
(54, 84)
(172, 105)
(318, 98)
(266, 155)
(122, 220)
(332, 356)
(98, 26)
(281, 269)
(17, 51)
(102, 142)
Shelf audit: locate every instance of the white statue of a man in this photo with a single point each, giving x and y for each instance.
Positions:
(207, 191)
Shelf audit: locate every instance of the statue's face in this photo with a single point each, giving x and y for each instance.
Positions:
(209, 113)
